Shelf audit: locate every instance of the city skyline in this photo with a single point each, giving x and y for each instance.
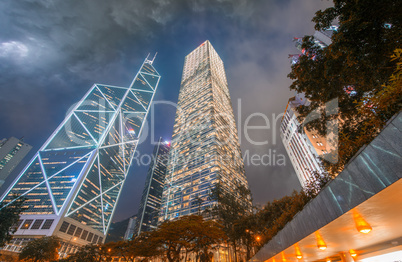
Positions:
(51, 65)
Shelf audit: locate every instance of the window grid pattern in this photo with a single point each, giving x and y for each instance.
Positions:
(205, 148)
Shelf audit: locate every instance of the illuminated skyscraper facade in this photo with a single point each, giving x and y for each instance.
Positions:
(73, 182)
(12, 151)
(152, 195)
(205, 148)
(304, 148)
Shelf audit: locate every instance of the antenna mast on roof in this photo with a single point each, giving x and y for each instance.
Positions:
(150, 61)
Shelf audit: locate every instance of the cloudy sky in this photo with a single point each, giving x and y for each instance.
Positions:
(52, 51)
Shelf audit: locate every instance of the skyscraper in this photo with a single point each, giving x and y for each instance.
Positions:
(12, 151)
(304, 148)
(205, 147)
(303, 154)
(150, 204)
(73, 182)
(132, 221)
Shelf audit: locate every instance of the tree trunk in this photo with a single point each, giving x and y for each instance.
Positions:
(235, 251)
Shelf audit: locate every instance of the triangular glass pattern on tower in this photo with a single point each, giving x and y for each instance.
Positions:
(148, 68)
(113, 136)
(111, 164)
(132, 125)
(54, 161)
(95, 101)
(141, 84)
(90, 214)
(129, 149)
(90, 188)
(143, 97)
(95, 122)
(131, 104)
(31, 178)
(109, 202)
(79, 172)
(113, 94)
(71, 135)
(152, 80)
(62, 182)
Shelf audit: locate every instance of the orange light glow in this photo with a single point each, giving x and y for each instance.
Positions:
(320, 241)
(298, 253)
(361, 225)
(352, 253)
(283, 256)
(258, 238)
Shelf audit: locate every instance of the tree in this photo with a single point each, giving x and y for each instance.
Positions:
(88, 253)
(41, 249)
(230, 209)
(317, 181)
(354, 68)
(276, 214)
(206, 235)
(123, 249)
(9, 216)
(249, 230)
(190, 234)
(145, 246)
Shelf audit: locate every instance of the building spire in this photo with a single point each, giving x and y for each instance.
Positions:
(150, 61)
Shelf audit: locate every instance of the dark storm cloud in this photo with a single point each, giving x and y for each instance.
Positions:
(51, 51)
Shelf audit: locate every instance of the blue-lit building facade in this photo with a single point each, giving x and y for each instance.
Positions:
(205, 147)
(73, 182)
(151, 199)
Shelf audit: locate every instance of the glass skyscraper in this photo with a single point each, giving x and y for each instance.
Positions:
(12, 151)
(73, 182)
(205, 148)
(150, 205)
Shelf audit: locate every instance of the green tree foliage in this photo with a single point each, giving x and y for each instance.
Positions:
(358, 60)
(276, 214)
(9, 216)
(41, 249)
(231, 210)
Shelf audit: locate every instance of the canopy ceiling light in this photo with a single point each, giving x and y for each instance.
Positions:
(361, 224)
(320, 241)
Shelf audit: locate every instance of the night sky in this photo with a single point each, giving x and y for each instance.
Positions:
(52, 51)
